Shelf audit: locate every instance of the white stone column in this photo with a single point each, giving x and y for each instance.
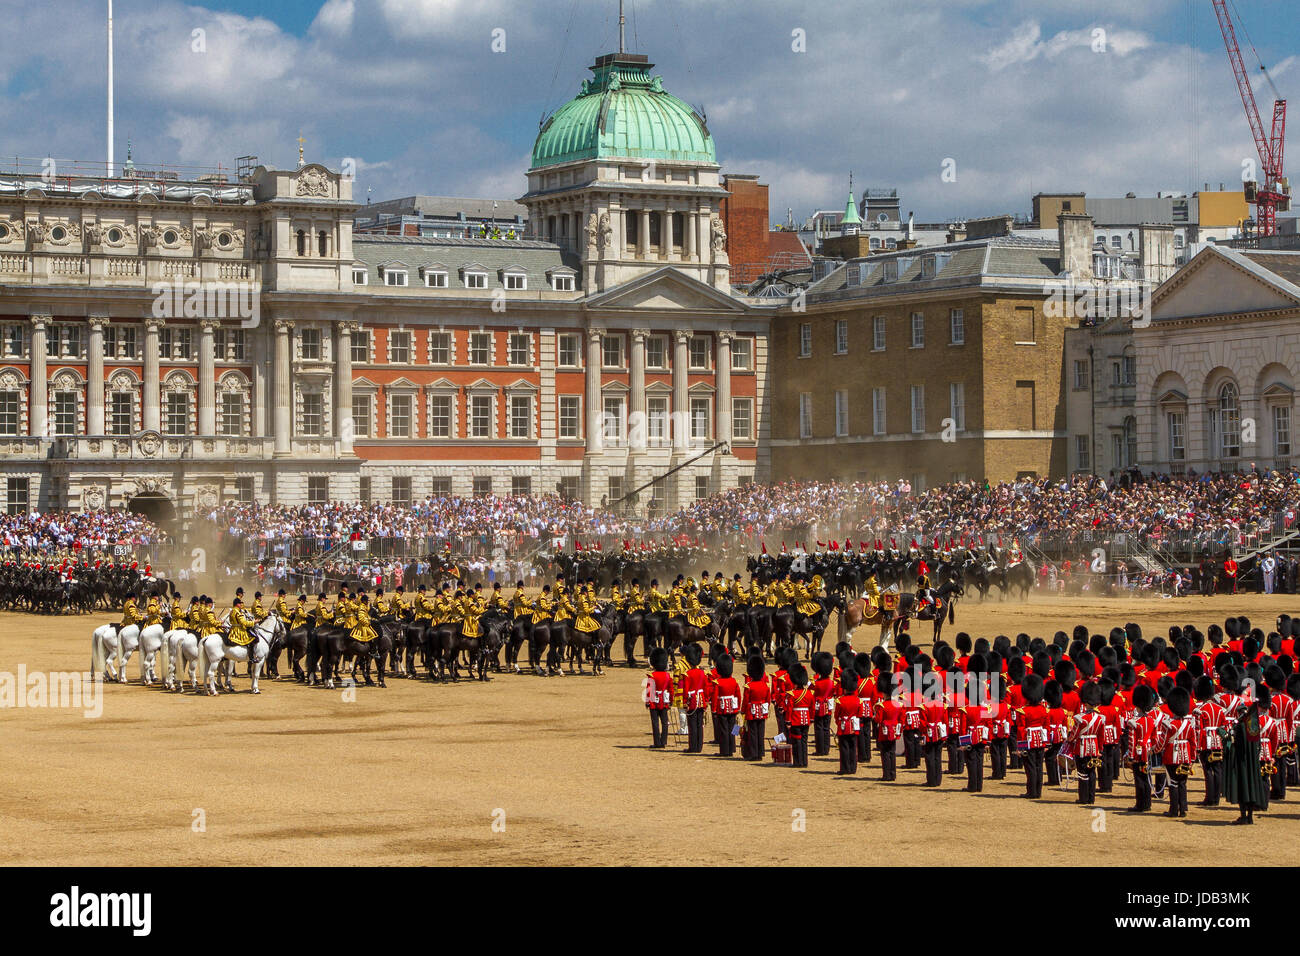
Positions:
(38, 395)
(151, 417)
(207, 378)
(95, 376)
(637, 424)
(261, 362)
(722, 384)
(344, 427)
(643, 233)
(283, 402)
(595, 431)
(681, 406)
(689, 226)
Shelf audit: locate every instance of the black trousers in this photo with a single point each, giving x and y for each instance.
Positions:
(798, 737)
(695, 731)
(822, 735)
(754, 733)
(1033, 763)
(975, 768)
(1106, 773)
(659, 727)
(955, 762)
(998, 759)
(1277, 782)
(780, 721)
(726, 723)
(911, 749)
(888, 760)
(933, 754)
(717, 727)
(1142, 787)
(1213, 771)
(1013, 757)
(864, 743)
(1050, 765)
(1177, 790)
(1293, 769)
(1087, 779)
(849, 753)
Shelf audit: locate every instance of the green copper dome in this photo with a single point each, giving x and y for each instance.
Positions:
(623, 112)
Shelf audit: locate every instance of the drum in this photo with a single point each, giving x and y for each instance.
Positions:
(782, 753)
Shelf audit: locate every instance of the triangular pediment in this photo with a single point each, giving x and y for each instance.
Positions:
(665, 290)
(1222, 282)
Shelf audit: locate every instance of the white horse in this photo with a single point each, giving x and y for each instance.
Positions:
(182, 650)
(111, 648)
(152, 638)
(215, 654)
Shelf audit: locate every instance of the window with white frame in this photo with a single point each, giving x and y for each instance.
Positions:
(656, 352)
(1080, 375)
(521, 416)
(318, 489)
(360, 347)
(14, 341)
(1082, 455)
(176, 413)
(611, 351)
(805, 415)
(698, 352)
(10, 412)
(236, 345)
(480, 348)
(476, 280)
(309, 344)
(841, 336)
(700, 418)
(878, 422)
(570, 416)
(957, 405)
(121, 413)
(521, 348)
(569, 350)
(399, 346)
(918, 330)
(435, 278)
(612, 419)
(918, 409)
(956, 327)
(480, 416)
(64, 407)
(399, 416)
(312, 423)
(230, 417)
(65, 341)
(562, 282)
(805, 339)
(742, 354)
(1225, 422)
(359, 276)
(440, 414)
(1282, 431)
(362, 405)
(841, 412)
(878, 333)
(401, 488)
(742, 419)
(656, 423)
(515, 281)
(439, 348)
(1176, 423)
(395, 277)
(17, 495)
(701, 487)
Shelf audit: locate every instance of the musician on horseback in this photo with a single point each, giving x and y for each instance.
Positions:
(695, 612)
(360, 629)
(130, 613)
(282, 607)
(241, 621)
(586, 611)
(471, 609)
(423, 607)
(924, 593)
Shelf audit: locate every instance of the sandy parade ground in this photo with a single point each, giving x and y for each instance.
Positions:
(529, 770)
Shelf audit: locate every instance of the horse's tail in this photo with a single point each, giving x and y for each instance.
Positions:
(98, 661)
(203, 662)
(952, 610)
(143, 655)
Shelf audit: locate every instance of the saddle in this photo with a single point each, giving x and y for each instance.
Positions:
(238, 642)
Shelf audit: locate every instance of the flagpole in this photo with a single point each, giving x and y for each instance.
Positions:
(110, 88)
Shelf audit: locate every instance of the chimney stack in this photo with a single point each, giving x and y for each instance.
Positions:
(1075, 233)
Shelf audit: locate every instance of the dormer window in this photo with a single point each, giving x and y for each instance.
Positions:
(360, 276)
(561, 280)
(515, 281)
(395, 277)
(475, 280)
(435, 278)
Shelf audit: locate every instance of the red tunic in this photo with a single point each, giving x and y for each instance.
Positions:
(1209, 718)
(848, 715)
(888, 714)
(1034, 720)
(823, 696)
(695, 688)
(660, 690)
(799, 707)
(757, 699)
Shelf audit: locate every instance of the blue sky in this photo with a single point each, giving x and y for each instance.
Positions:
(1015, 92)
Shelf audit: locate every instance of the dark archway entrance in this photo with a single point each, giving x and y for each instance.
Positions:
(157, 508)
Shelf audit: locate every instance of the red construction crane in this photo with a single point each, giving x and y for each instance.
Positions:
(1274, 195)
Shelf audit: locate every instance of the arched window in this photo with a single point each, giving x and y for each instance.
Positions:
(1225, 419)
(302, 243)
(1130, 442)
(322, 243)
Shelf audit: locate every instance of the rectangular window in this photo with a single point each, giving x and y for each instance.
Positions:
(313, 414)
(918, 409)
(219, 344)
(841, 336)
(570, 417)
(805, 415)
(570, 351)
(130, 343)
(361, 416)
(318, 489)
(1130, 370)
(480, 416)
(1177, 432)
(435, 280)
(878, 333)
(516, 281)
(841, 412)
(17, 495)
(482, 487)
(1081, 452)
(701, 486)
(399, 416)
(615, 492)
(700, 418)
(110, 342)
(656, 352)
(363, 483)
(121, 413)
(521, 416)
(176, 414)
(562, 283)
(612, 419)
(440, 416)
(401, 490)
(1080, 374)
(476, 280)
(956, 326)
(165, 344)
(742, 354)
(14, 341)
(878, 411)
(570, 485)
(656, 421)
(957, 405)
(237, 345)
(395, 277)
(1025, 322)
(699, 352)
(184, 345)
(521, 486)
(440, 348)
(440, 488)
(231, 421)
(742, 419)
(521, 348)
(71, 341)
(360, 347)
(611, 351)
(65, 413)
(244, 490)
(399, 347)
(359, 276)
(918, 330)
(1282, 431)
(480, 348)
(310, 340)
(805, 339)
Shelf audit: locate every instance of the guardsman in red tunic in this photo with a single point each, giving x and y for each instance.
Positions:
(1293, 731)
(1209, 720)
(781, 686)
(726, 705)
(799, 703)
(1034, 719)
(1279, 708)
(1230, 571)
(695, 690)
(1110, 734)
(1002, 726)
(913, 717)
(1085, 740)
(659, 696)
(823, 701)
(1145, 733)
(1179, 749)
(1058, 723)
(754, 707)
(848, 721)
(888, 718)
(866, 694)
(979, 714)
(934, 729)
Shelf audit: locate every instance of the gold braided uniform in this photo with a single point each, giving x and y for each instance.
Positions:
(471, 609)
(520, 606)
(543, 608)
(586, 622)
(361, 630)
(324, 614)
(696, 614)
(240, 622)
(130, 613)
(298, 616)
(424, 608)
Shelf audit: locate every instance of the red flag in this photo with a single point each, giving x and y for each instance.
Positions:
(922, 568)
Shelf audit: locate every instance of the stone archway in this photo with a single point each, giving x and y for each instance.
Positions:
(155, 506)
